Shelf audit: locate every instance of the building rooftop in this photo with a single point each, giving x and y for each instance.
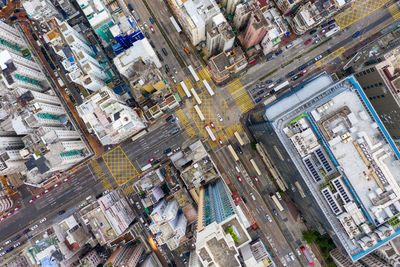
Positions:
(346, 157)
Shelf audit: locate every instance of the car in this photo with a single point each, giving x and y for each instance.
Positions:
(239, 149)
(291, 255)
(239, 179)
(151, 160)
(244, 199)
(258, 99)
(2, 254)
(324, 31)
(317, 58)
(31, 201)
(279, 80)
(34, 227)
(268, 217)
(317, 41)
(43, 220)
(271, 85)
(66, 180)
(170, 117)
(9, 249)
(26, 231)
(356, 34)
(7, 242)
(331, 21)
(260, 92)
(304, 71)
(332, 26)
(17, 208)
(312, 31)
(212, 125)
(151, 20)
(220, 142)
(164, 51)
(252, 196)
(308, 41)
(147, 35)
(145, 25)
(256, 179)
(289, 45)
(168, 150)
(61, 212)
(159, 56)
(152, 29)
(298, 252)
(219, 117)
(302, 67)
(166, 68)
(46, 191)
(17, 244)
(175, 70)
(290, 74)
(253, 90)
(295, 77)
(152, 44)
(174, 80)
(56, 185)
(268, 81)
(324, 25)
(277, 53)
(275, 212)
(175, 131)
(270, 58)
(38, 196)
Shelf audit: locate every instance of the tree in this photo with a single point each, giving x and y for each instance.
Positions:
(310, 236)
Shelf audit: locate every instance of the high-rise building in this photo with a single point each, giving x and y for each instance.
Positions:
(334, 136)
(220, 37)
(5, 202)
(31, 110)
(40, 10)
(126, 256)
(381, 85)
(195, 16)
(277, 29)
(242, 15)
(231, 6)
(256, 29)
(109, 118)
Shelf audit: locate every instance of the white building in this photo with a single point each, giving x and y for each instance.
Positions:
(107, 116)
(277, 29)
(40, 10)
(195, 16)
(231, 5)
(140, 52)
(242, 15)
(220, 37)
(168, 225)
(10, 159)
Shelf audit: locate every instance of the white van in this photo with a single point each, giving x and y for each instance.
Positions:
(237, 168)
(252, 196)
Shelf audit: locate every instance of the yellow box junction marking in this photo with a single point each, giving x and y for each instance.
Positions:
(358, 10)
(330, 57)
(120, 166)
(394, 11)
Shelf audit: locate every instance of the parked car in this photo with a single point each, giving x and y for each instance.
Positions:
(239, 149)
(324, 31)
(17, 244)
(277, 53)
(34, 227)
(15, 238)
(256, 179)
(308, 41)
(275, 212)
(253, 90)
(170, 117)
(159, 56)
(152, 44)
(168, 150)
(270, 58)
(239, 179)
(312, 31)
(151, 20)
(324, 25)
(289, 45)
(332, 26)
(279, 80)
(244, 199)
(318, 58)
(302, 67)
(252, 196)
(164, 51)
(268, 217)
(295, 77)
(260, 92)
(173, 79)
(175, 71)
(61, 212)
(166, 68)
(174, 131)
(152, 29)
(268, 81)
(258, 99)
(290, 74)
(43, 220)
(147, 35)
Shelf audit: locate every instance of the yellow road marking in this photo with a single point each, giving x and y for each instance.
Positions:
(121, 168)
(101, 175)
(230, 131)
(330, 57)
(185, 123)
(240, 96)
(358, 10)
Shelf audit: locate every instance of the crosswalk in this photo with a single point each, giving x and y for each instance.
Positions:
(240, 96)
(128, 190)
(185, 123)
(101, 175)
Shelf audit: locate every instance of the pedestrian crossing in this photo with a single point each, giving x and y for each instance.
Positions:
(101, 175)
(240, 96)
(185, 123)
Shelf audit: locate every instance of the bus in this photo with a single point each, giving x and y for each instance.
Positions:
(332, 32)
(196, 97)
(277, 203)
(185, 89)
(237, 135)
(196, 78)
(282, 85)
(208, 87)
(173, 21)
(234, 155)
(210, 133)
(196, 107)
(307, 255)
(255, 166)
(301, 191)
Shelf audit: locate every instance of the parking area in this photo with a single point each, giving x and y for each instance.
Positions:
(358, 10)
(119, 165)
